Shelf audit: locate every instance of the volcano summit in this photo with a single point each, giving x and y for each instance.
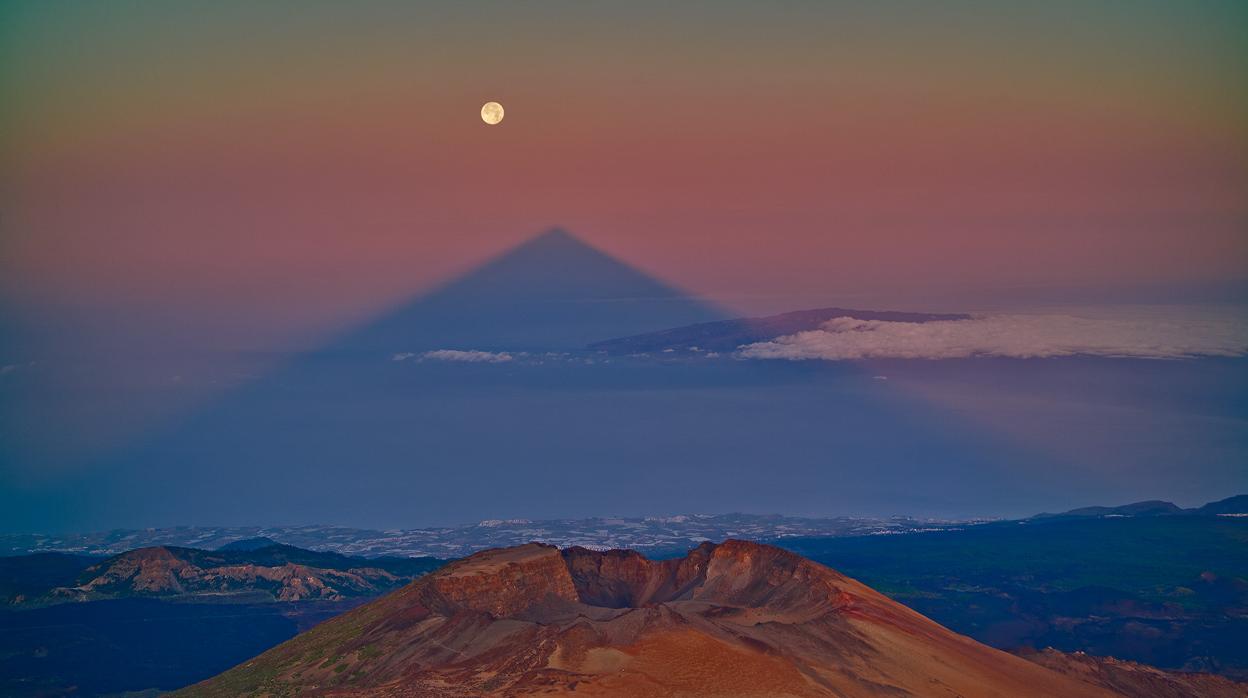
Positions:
(738, 618)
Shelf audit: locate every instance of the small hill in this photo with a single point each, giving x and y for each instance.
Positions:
(273, 573)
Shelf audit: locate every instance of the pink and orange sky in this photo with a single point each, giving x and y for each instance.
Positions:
(288, 168)
(193, 191)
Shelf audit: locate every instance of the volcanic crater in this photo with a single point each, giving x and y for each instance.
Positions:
(729, 619)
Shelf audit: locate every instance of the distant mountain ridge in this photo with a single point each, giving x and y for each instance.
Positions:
(727, 335)
(1230, 506)
(248, 544)
(649, 534)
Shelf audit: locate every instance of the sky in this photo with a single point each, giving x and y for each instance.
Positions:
(192, 191)
(303, 164)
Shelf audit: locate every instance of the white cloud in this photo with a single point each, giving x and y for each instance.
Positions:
(13, 368)
(1147, 333)
(471, 356)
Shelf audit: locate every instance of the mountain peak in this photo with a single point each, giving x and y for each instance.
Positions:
(555, 240)
(556, 235)
(552, 291)
(736, 618)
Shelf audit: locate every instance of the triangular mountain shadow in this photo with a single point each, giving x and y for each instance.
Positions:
(551, 292)
(346, 435)
(347, 403)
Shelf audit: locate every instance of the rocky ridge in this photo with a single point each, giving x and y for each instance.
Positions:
(280, 572)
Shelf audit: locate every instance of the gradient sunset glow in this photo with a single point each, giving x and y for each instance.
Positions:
(180, 153)
(196, 193)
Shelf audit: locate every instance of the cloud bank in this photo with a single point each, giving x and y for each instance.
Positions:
(470, 356)
(1156, 335)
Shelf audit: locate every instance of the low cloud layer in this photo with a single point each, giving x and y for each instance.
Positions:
(470, 356)
(1162, 334)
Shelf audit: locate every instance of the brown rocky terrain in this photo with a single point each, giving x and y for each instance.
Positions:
(176, 572)
(734, 619)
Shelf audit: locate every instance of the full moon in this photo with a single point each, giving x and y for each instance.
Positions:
(492, 113)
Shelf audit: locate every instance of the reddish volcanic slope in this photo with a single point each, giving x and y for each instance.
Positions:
(735, 619)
